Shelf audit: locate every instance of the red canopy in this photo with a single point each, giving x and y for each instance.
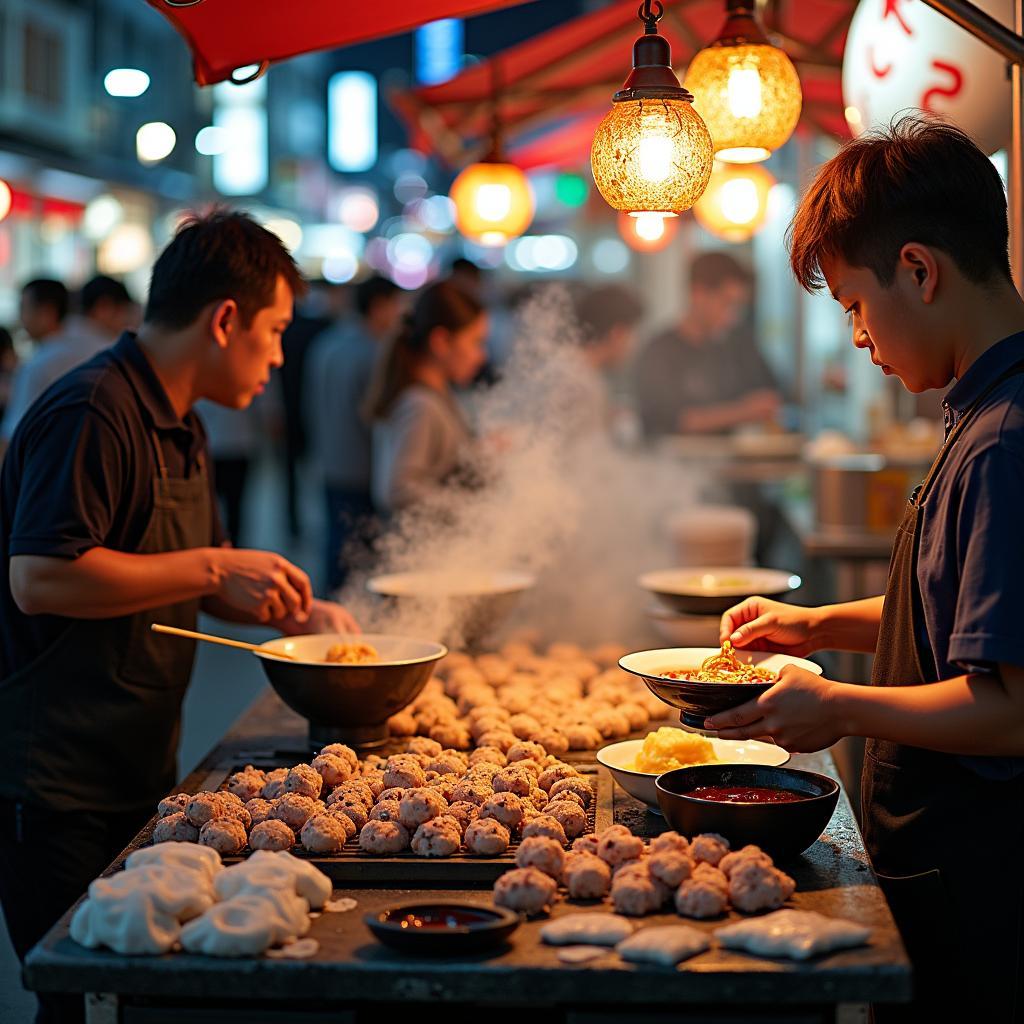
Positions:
(555, 87)
(224, 35)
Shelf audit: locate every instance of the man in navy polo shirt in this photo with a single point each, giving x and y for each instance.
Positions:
(107, 525)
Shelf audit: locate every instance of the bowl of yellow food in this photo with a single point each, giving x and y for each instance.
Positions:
(349, 685)
(713, 590)
(636, 764)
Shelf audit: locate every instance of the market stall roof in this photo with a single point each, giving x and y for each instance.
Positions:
(555, 87)
(225, 35)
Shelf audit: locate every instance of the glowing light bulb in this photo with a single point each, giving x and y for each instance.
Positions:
(655, 158)
(739, 201)
(743, 92)
(650, 226)
(493, 202)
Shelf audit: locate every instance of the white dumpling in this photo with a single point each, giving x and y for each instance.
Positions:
(275, 869)
(596, 929)
(203, 859)
(665, 946)
(131, 925)
(247, 924)
(798, 934)
(175, 891)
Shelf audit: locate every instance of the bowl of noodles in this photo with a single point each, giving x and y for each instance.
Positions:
(701, 681)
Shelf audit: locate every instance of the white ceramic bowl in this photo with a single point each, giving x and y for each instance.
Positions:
(715, 589)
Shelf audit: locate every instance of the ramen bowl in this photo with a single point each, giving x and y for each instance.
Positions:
(697, 701)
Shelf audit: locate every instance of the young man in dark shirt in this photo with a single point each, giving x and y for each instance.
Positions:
(907, 228)
(107, 525)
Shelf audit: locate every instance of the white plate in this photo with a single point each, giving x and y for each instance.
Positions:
(616, 756)
(720, 581)
(441, 584)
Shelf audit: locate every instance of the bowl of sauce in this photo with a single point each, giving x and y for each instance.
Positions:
(782, 810)
(442, 928)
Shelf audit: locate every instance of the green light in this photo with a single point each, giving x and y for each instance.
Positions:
(571, 189)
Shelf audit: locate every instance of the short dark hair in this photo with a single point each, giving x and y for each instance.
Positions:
(713, 269)
(220, 255)
(603, 307)
(919, 180)
(102, 288)
(45, 291)
(371, 291)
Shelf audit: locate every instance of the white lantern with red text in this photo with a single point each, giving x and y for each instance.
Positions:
(902, 54)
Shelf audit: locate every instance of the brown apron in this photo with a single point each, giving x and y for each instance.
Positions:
(947, 844)
(93, 722)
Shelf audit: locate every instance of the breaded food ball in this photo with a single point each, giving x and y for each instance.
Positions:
(494, 668)
(323, 833)
(541, 853)
(451, 734)
(387, 810)
(525, 890)
(436, 839)
(700, 899)
(607, 655)
(635, 893)
(332, 769)
(560, 651)
(617, 844)
(423, 745)
(274, 786)
(709, 848)
(353, 808)
(538, 798)
(247, 783)
(610, 724)
(545, 825)
(582, 736)
(670, 867)
(391, 794)
(579, 786)
(486, 837)
(463, 812)
(586, 844)
(705, 872)
(346, 753)
(343, 818)
(203, 807)
(258, 809)
(173, 804)
(569, 815)
(449, 821)
(555, 773)
(524, 725)
(532, 768)
(554, 741)
(225, 835)
(512, 779)
(403, 772)
(504, 807)
(372, 763)
(271, 835)
(755, 886)
(635, 713)
(175, 828)
(448, 762)
(294, 810)
(563, 798)
(525, 750)
(586, 876)
(355, 788)
(305, 780)
(472, 791)
(402, 724)
(499, 739)
(733, 860)
(495, 711)
(445, 785)
(383, 837)
(420, 805)
(374, 780)
(670, 841)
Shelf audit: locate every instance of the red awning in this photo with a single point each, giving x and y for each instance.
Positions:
(555, 87)
(224, 35)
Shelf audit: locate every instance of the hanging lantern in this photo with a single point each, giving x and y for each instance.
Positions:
(493, 202)
(6, 199)
(747, 90)
(647, 232)
(735, 205)
(652, 153)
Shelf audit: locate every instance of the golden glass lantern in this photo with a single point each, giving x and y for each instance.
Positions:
(493, 202)
(735, 205)
(747, 90)
(652, 153)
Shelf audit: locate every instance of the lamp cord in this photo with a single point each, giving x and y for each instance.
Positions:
(645, 12)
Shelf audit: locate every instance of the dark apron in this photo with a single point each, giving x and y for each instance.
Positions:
(947, 844)
(93, 722)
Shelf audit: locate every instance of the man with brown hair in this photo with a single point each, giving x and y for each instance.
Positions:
(907, 228)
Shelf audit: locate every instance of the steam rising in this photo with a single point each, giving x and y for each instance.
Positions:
(559, 500)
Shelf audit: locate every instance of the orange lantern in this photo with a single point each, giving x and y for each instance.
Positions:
(493, 202)
(5, 199)
(647, 232)
(735, 205)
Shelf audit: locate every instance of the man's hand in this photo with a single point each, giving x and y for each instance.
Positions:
(324, 617)
(799, 713)
(263, 585)
(758, 624)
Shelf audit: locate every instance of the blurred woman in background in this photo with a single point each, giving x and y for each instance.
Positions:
(421, 437)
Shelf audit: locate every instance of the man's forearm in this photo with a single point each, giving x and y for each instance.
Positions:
(103, 583)
(852, 626)
(755, 407)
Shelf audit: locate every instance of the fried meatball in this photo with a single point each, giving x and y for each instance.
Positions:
(436, 839)
(445, 785)
(554, 741)
(391, 794)
(733, 860)
(403, 772)
(564, 798)
(709, 848)
(582, 736)
(247, 783)
(699, 899)
(541, 853)
(504, 807)
(579, 786)
(332, 769)
(446, 763)
(420, 805)
(569, 815)
(538, 798)
(374, 781)
(524, 725)
(488, 755)
(670, 867)
(586, 876)
(423, 745)
(203, 807)
(512, 779)
(756, 886)
(274, 786)
(610, 724)
(305, 780)
(354, 808)
(472, 791)
(486, 837)
(345, 752)
(451, 734)
(383, 837)
(545, 825)
(635, 893)
(586, 844)
(525, 890)
(670, 841)
(344, 819)
(225, 835)
(499, 739)
(635, 713)
(463, 812)
(175, 828)
(294, 810)
(555, 773)
(355, 789)
(525, 750)
(617, 844)
(258, 809)
(173, 804)
(271, 835)
(402, 724)
(323, 833)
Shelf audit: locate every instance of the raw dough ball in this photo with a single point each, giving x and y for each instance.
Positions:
(172, 804)
(553, 741)
(504, 807)
(635, 892)
(670, 867)
(586, 876)
(323, 833)
(374, 780)
(486, 837)
(617, 844)
(545, 825)
(258, 810)
(294, 810)
(709, 848)
(275, 870)
(565, 798)
(175, 828)
(225, 835)
(383, 837)
(403, 772)
(525, 890)
(569, 815)
(499, 739)
(733, 860)
(524, 726)
(305, 780)
(700, 899)
(247, 924)
(436, 839)
(670, 841)
(332, 769)
(538, 798)
(271, 835)
(386, 810)
(420, 805)
(755, 886)
(704, 872)
(579, 786)
(543, 854)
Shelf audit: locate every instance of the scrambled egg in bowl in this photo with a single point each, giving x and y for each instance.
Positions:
(357, 653)
(670, 748)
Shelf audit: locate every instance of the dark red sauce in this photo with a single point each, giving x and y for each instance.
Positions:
(746, 794)
(439, 919)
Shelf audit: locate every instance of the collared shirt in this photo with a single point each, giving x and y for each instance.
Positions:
(76, 342)
(79, 474)
(970, 567)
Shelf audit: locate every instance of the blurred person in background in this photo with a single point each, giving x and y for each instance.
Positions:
(8, 364)
(43, 308)
(466, 275)
(421, 438)
(105, 311)
(339, 369)
(706, 375)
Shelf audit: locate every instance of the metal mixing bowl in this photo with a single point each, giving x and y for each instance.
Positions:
(349, 703)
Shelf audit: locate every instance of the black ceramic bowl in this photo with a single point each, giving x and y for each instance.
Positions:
(442, 928)
(781, 829)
